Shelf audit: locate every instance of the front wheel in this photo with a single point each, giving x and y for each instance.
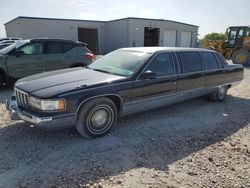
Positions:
(220, 95)
(96, 117)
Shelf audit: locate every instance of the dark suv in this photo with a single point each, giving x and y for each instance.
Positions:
(27, 57)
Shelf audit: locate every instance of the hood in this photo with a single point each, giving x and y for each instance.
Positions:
(52, 83)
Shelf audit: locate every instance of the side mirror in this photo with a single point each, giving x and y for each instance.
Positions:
(19, 53)
(147, 75)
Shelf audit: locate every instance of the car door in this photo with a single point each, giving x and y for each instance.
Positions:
(27, 61)
(55, 58)
(214, 73)
(154, 92)
(191, 75)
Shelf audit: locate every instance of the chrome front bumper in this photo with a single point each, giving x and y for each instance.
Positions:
(46, 122)
(11, 107)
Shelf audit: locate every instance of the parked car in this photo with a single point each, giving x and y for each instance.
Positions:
(122, 82)
(4, 42)
(9, 39)
(4, 45)
(28, 57)
(8, 42)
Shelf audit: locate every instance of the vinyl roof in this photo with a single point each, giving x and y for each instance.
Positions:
(161, 49)
(62, 19)
(55, 40)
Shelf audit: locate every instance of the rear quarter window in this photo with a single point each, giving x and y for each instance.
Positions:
(67, 46)
(190, 61)
(55, 47)
(221, 59)
(210, 60)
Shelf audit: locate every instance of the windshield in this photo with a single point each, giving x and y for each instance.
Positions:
(15, 45)
(120, 62)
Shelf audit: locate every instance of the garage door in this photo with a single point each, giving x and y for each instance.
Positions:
(89, 36)
(169, 38)
(185, 39)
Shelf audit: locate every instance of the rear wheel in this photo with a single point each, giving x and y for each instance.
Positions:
(241, 57)
(220, 95)
(96, 118)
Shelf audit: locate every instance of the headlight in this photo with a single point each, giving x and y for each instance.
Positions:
(47, 104)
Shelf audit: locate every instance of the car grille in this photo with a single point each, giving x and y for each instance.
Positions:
(22, 98)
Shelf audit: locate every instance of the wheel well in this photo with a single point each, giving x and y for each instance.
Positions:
(117, 101)
(115, 98)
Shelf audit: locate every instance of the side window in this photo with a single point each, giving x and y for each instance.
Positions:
(232, 34)
(190, 61)
(210, 60)
(240, 34)
(55, 47)
(32, 48)
(67, 46)
(220, 59)
(162, 65)
(248, 32)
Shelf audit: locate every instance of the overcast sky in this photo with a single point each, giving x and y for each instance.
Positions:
(210, 15)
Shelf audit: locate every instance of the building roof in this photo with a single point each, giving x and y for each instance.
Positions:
(163, 20)
(41, 18)
(63, 19)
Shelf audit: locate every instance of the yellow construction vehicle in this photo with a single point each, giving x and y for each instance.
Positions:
(235, 47)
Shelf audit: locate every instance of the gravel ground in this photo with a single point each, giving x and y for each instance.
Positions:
(197, 143)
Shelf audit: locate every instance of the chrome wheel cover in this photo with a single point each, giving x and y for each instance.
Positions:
(100, 119)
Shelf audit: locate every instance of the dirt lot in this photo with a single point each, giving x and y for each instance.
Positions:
(197, 143)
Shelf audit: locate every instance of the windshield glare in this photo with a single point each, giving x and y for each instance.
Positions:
(15, 45)
(120, 62)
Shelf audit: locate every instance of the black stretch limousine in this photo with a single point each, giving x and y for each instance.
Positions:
(122, 82)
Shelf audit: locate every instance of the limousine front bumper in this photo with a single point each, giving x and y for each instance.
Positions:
(50, 122)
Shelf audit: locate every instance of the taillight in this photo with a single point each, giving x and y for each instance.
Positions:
(90, 56)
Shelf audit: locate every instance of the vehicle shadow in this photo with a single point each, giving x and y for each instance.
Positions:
(153, 139)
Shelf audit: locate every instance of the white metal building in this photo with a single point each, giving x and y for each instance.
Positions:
(105, 36)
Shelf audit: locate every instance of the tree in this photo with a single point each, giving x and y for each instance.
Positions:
(215, 36)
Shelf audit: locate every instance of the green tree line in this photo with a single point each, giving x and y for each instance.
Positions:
(215, 36)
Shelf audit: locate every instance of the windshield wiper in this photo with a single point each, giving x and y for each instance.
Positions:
(101, 70)
(104, 71)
